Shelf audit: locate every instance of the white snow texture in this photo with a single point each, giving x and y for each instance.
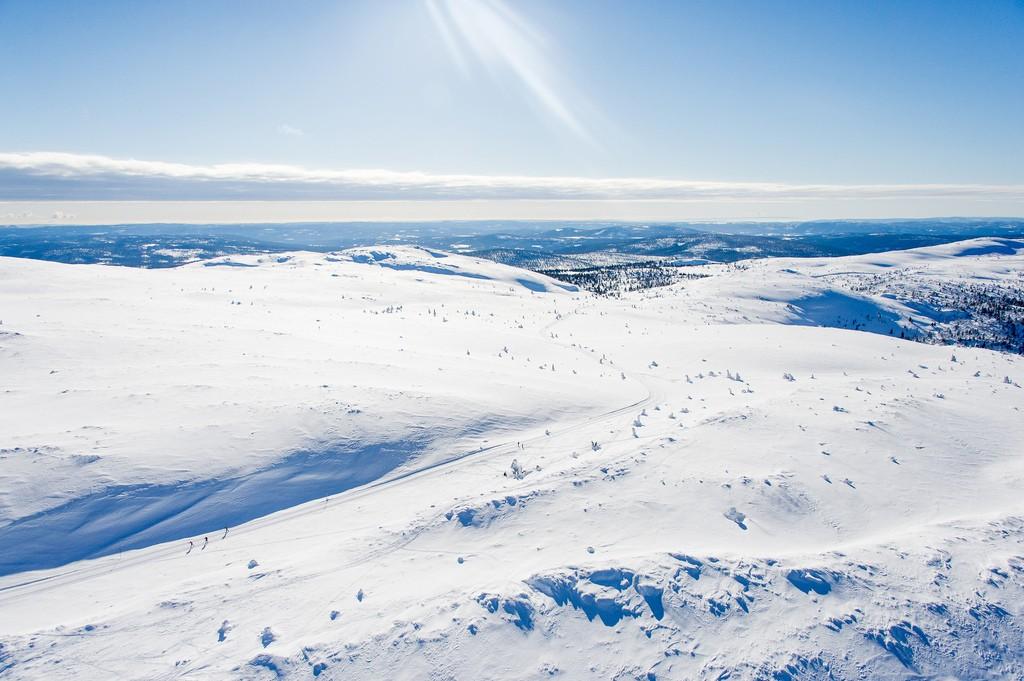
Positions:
(395, 463)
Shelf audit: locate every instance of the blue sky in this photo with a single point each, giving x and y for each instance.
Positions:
(777, 95)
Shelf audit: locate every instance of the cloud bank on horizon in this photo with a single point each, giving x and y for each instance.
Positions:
(45, 176)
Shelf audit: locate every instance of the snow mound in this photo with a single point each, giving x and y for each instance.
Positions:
(428, 261)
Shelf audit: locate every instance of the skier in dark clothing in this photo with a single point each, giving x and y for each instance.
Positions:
(206, 540)
(190, 547)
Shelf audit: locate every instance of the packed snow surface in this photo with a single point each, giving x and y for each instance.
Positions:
(401, 463)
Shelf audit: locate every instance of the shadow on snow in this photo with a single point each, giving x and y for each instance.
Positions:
(135, 516)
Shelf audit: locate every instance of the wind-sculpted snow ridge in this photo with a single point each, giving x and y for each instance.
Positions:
(713, 480)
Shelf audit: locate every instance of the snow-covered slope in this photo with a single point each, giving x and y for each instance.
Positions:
(970, 292)
(141, 406)
(712, 480)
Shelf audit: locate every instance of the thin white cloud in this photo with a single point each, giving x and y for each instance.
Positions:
(501, 39)
(63, 176)
(290, 130)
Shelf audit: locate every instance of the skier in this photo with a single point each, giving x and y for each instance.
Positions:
(225, 532)
(190, 547)
(206, 540)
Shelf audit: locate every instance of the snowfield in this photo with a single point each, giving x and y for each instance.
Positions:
(404, 464)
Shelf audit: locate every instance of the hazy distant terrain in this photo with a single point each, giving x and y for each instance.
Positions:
(541, 246)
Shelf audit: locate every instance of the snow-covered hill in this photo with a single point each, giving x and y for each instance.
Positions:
(970, 292)
(408, 464)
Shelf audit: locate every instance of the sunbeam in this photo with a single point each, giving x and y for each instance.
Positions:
(501, 39)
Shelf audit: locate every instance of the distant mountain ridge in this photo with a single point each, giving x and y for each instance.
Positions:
(535, 245)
